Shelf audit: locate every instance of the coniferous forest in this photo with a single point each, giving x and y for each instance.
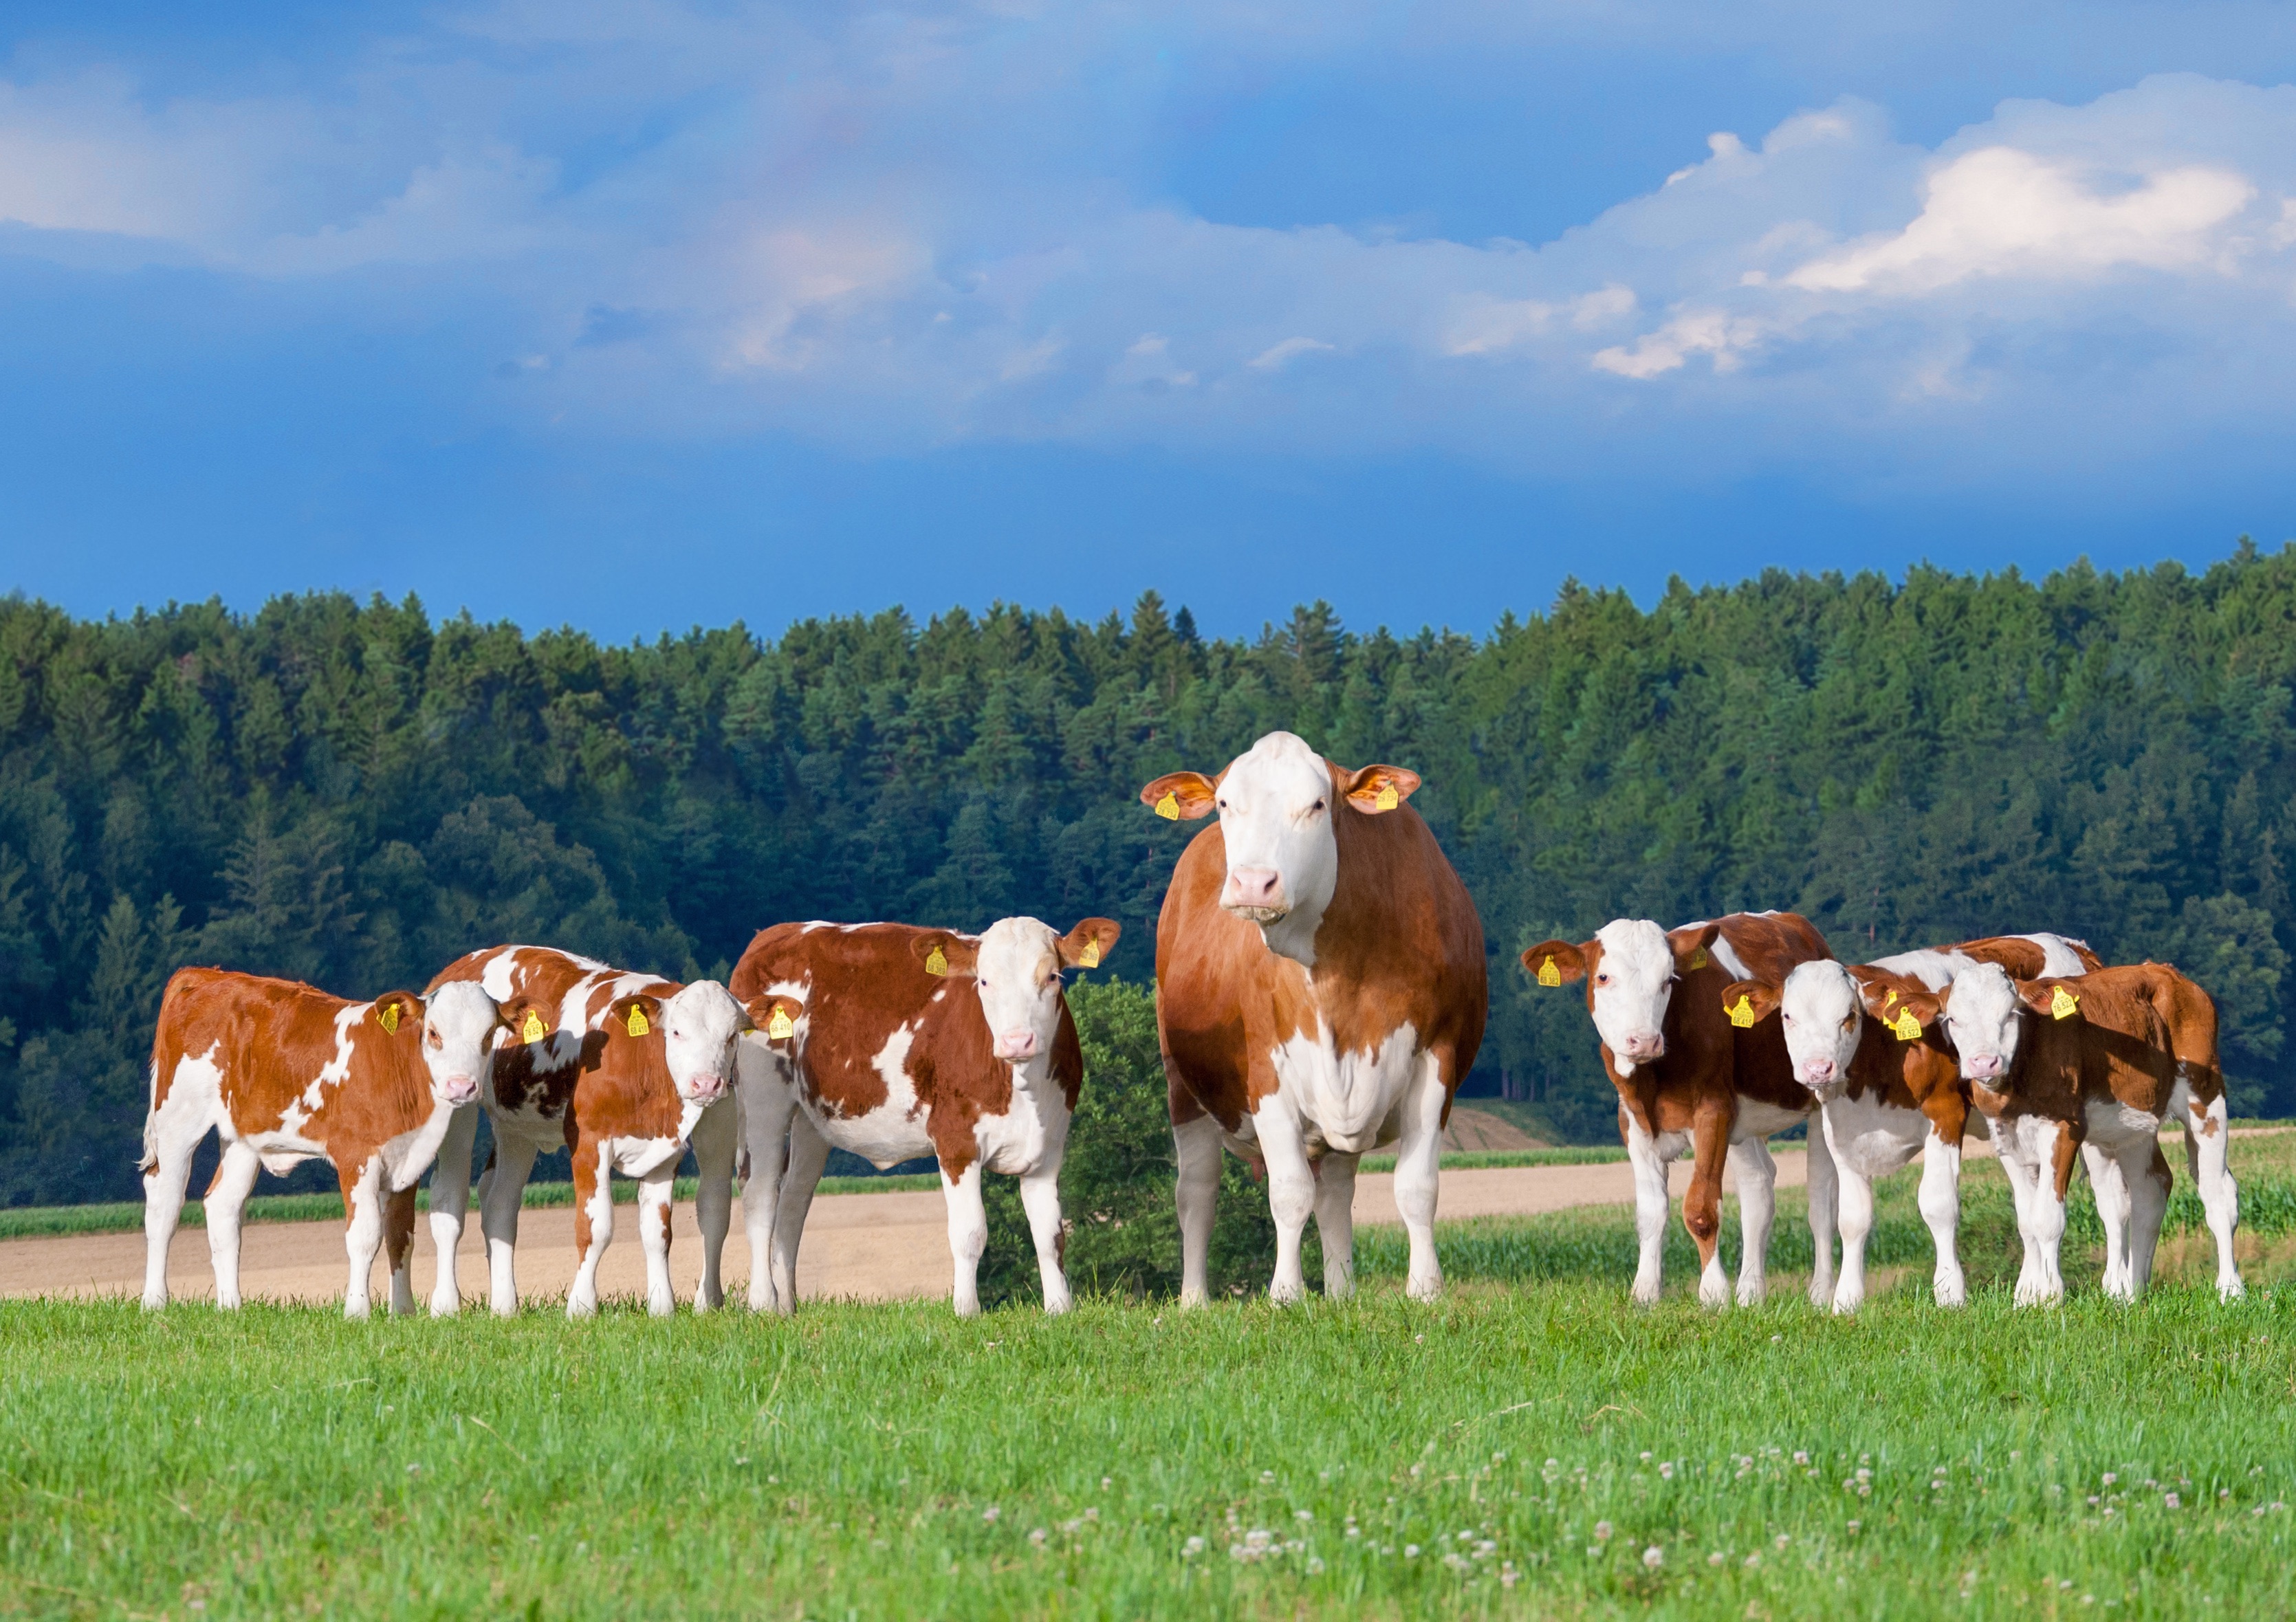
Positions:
(355, 794)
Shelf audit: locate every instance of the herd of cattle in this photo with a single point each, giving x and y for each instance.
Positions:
(1321, 992)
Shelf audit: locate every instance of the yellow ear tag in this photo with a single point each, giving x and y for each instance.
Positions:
(534, 1029)
(1743, 1015)
(1890, 1002)
(1387, 798)
(781, 1027)
(1698, 959)
(1168, 807)
(2064, 1005)
(1090, 955)
(1907, 1027)
(639, 1024)
(1548, 974)
(387, 1016)
(935, 963)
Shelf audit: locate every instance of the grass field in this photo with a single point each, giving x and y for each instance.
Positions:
(1529, 1446)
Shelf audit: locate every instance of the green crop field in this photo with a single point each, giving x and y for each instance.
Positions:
(1529, 1446)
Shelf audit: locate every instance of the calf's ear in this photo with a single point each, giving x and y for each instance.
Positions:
(1181, 796)
(1748, 1002)
(1375, 788)
(1088, 944)
(1690, 943)
(397, 1011)
(637, 1016)
(943, 953)
(1555, 963)
(2056, 999)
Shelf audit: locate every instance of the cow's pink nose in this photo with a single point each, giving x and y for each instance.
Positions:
(458, 1089)
(1819, 1070)
(1982, 1064)
(706, 1087)
(1255, 887)
(1645, 1047)
(1017, 1045)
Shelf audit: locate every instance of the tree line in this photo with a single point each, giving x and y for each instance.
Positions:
(355, 794)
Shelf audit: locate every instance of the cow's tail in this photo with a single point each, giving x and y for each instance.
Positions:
(149, 1163)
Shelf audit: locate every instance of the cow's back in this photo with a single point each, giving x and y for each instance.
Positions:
(2123, 1041)
(623, 1082)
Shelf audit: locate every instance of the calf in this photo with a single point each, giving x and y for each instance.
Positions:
(1321, 991)
(891, 1042)
(286, 1073)
(2095, 1062)
(1694, 1074)
(625, 1070)
(1864, 1042)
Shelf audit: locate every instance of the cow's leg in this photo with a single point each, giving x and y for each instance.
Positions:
(1335, 1222)
(1196, 1190)
(502, 1190)
(594, 1222)
(1292, 1195)
(1650, 1203)
(450, 1204)
(2206, 1141)
(655, 1193)
(1855, 1203)
(767, 1103)
(717, 1141)
(1702, 1206)
(226, 1199)
(2021, 1177)
(169, 1137)
(362, 1199)
(1824, 1177)
(398, 1249)
(968, 1235)
(2108, 1181)
(808, 1152)
(1040, 1197)
(2146, 1172)
(1418, 1160)
(1756, 1177)
(1941, 1203)
(2045, 1219)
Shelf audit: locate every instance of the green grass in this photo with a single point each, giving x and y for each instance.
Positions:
(891, 1460)
(1593, 1154)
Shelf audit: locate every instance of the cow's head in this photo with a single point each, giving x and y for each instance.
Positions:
(1277, 804)
(1630, 967)
(1016, 968)
(1984, 1015)
(459, 1022)
(699, 1025)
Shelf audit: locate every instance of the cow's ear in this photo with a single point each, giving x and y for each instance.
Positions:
(2056, 999)
(1380, 788)
(1689, 944)
(525, 1020)
(1555, 963)
(776, 1016)
(1088, 944)
(942, 952)
(397, 1011)
(1748, 1002)
(1181, 796)
(635, 1016)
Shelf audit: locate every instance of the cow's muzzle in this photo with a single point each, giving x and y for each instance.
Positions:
(1642, 1050)
(458, 1089)
(1257, 893)
(1017, 1045)
(706, 1088)
(1981, 1067)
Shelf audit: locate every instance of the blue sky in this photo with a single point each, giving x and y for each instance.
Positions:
(640, 315)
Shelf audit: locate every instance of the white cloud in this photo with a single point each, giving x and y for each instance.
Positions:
(1278, 355)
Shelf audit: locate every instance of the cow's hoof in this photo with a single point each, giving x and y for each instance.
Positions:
(2230, 1289)
(1424, 1289)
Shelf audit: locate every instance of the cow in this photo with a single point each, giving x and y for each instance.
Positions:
(1864, 1040)
(2095, 1062)
(1320, 992)
(1693, 1074)
(623, 1069)
(890, 1042)
(285, 1073)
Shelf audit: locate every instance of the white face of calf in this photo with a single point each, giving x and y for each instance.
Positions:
(1824, 1015)
(699, 1027)
(1984, 1018)
(1017, 976)
(459, 1021)
(1633, 984)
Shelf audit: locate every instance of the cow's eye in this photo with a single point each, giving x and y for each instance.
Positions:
(1319, 805)
(1602, 980)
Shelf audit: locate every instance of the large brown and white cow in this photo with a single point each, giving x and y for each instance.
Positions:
(1692, 1075)
(2095, 1062)
(891, 1042)
(286, 1073)
(1864, 1042)
(623, 1069)
(1320, 992)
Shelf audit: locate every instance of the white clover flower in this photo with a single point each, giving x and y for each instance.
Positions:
(1192, 1548)
(1268, 1477)
(1303, 1516)
(1602, 1531)
(990, 1514)
(1665, 1472)
(1716, 1558)
(1801, 1455)
(1315, 1566)
(1038, 1535)
(1654, 1557)
(2110, 1478)
(2171, 1502)
(1753, 1560)
(1411, 1550)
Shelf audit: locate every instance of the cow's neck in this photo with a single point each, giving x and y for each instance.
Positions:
(1293, 935)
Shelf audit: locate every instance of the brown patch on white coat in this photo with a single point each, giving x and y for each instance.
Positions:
(2095, 1062)
(893, 1042)
(1692, 1075)
(626, 1071)
(1321, 991)
(286, 1073)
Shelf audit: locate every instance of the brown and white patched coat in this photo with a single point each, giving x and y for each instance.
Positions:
(893, 1042)
(286, 1073)
(625, 1070)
